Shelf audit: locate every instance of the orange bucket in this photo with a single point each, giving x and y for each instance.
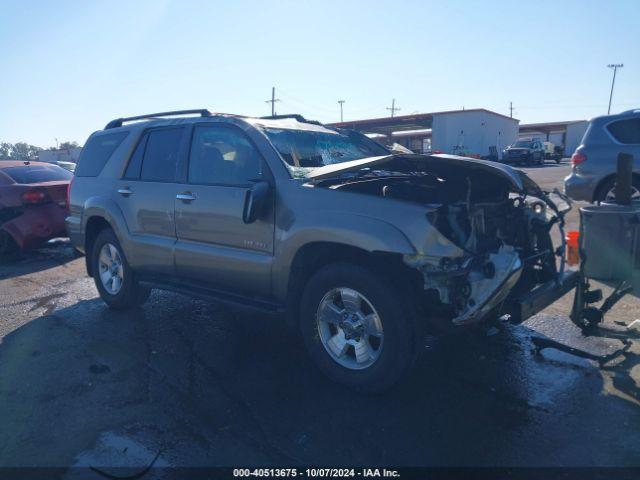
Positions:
(573, 256)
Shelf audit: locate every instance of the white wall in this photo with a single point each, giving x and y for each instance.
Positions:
(475, 130)
(53, 156)
(557, 138)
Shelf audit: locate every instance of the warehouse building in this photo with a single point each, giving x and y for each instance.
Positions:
(476, 132)
(60, 155)
(565, 134)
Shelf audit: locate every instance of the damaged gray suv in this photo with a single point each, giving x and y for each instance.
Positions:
(362, 250)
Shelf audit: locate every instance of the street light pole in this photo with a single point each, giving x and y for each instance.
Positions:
(341, 102)
(615, 67)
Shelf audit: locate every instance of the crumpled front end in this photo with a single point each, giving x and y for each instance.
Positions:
(472, 287)
(484, 239)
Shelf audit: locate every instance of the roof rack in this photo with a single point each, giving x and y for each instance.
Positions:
(295, 116)
(119, 121)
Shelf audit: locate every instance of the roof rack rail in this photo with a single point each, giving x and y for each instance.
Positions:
(119, 121)
(295, 116)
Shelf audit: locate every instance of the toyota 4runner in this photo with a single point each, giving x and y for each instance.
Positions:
(362, 250)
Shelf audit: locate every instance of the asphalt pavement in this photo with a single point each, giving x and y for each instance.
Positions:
(197, 384)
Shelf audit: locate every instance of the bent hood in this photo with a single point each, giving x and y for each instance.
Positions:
(519, 180)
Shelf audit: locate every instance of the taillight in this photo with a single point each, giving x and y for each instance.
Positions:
(577, 158)
(33, 197)
(69, 194)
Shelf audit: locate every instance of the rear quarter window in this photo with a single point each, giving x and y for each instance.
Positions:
(27, 174)
(97, 152)
(161, 155)
(626, 131)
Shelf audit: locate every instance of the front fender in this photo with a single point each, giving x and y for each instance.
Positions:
(366, 233)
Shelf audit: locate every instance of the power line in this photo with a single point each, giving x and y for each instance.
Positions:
(273, 101)
(393, 108)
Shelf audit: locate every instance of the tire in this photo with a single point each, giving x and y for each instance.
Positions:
(129, 293)
(8, 246)
(395, 347)
(608, 185)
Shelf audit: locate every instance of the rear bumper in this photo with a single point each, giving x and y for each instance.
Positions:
(578, 187)
(74, 230)
(37, 225)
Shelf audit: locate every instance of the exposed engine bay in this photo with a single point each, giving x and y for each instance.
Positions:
(502, 231)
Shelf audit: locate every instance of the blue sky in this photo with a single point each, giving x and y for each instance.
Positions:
(70, 66)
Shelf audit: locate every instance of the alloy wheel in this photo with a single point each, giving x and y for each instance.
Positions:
(110, 268)
(350, 328)
(610, 197)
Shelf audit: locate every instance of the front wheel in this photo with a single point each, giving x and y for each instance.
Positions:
(114, 278)
(357, 327)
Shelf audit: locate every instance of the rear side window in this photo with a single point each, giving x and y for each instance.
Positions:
(97, 152)
(27, 174)
(161, 155)
(626, 131)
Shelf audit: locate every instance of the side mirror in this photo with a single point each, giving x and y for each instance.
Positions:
(255, 200)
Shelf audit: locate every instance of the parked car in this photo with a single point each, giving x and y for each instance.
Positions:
(33, 204)
(594, 162)
(527, 152)
(71, 166)
(362, 249)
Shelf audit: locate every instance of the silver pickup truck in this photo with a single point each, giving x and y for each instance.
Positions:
(362, 250)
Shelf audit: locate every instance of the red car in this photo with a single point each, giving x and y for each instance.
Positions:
(33, 204)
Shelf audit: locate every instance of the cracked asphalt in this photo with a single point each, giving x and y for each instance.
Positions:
(197, 384)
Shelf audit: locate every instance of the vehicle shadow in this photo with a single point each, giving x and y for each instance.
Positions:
(54, 253)
(206, 386)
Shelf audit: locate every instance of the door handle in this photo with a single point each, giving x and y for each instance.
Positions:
(125, 192)
(186, 197)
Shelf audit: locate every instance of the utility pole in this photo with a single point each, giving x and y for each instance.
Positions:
(393, 108)
(615, 67)
(510, 109)
(273, 101)
(341, 102)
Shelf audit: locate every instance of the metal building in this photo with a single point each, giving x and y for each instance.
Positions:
(566, 134)
(475, 132)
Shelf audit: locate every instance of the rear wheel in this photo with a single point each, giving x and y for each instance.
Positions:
(357, 327)
(8, 246)
(607, 191)
(114, 278)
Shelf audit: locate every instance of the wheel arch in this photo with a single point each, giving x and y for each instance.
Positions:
(100, 213)
(603, 181)
(95, 224)
(312, 256)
